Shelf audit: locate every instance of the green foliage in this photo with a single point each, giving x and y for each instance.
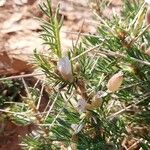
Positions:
(117, 46)
(51, 28)
(9, 92)
(84, 114)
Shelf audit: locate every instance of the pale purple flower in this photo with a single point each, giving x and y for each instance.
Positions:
(81, 105)
(65, 69)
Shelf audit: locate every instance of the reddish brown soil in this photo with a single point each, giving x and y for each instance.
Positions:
(9, 138)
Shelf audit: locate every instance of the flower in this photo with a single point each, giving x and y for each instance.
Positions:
(65, 69)
(81, 105)
(101, 94)
(77, 67)
(97, 99)
(115, 82)
(77, 128)
(147, 1)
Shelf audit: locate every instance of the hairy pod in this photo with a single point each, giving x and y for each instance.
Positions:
(65, 69)
(115, 82)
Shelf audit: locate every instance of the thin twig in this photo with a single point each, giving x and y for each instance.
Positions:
(52, 105)
(104, 22)
(26, 87)
(131, 85)
(97, 46)
(137, 15)
(136, 38)
(82, 34)
(36, 83)
(79, 33)
(32, 106)
(128, 107)
(133, 145)
(114, 54)
(45, 112)
(41, 94)
(21, 76)
(65, 105)
(111, 53)
(94, 64)
(16, 113)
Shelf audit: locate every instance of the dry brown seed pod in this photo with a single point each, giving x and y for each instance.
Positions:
(97, 99)
(143, 47)
(115, 82)
(77, 67)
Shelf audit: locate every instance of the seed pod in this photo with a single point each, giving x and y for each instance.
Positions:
(96, 103)
(65, 69)
(74, 139)
(121, 34)
(147, 52)
(143, 47)
(96, 100)
(77, 67)
(89, 107)
(115, 82)
(148, 16)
